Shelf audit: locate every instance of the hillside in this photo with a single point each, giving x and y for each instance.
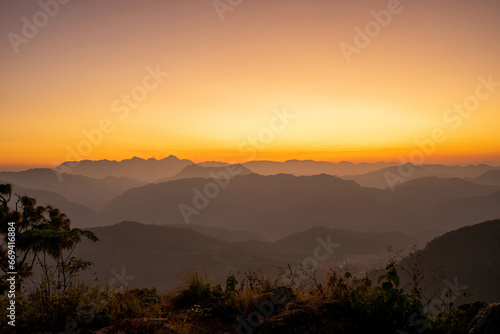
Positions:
(443, 188)
(351, 242)
(278, 205)
(90, 192)
(469, 254)
(259, 203)
(491, 177)
(160, 255)
(81, 216)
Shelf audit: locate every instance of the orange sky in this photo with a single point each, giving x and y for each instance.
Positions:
(225, 79)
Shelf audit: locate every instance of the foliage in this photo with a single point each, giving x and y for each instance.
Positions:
(231, 283)
(34, 235)
(386, 306)
(195, 291)
(198, 304)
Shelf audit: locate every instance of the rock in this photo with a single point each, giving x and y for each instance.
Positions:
(487, 320)
(470, 311)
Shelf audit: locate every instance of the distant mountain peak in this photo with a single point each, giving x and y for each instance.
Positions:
(196, 170)
(146, 170)
(299, 160)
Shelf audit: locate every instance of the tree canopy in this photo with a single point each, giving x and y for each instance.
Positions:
(42, 236)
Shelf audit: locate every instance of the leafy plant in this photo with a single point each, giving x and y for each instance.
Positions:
(38, 234)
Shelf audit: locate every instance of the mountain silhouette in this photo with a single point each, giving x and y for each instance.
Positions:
(377, 179)
(281, 204)
(90, 192)
(80, 215)
(310, 167)
(491, 177)
(196, 170)
(434, 188)
(160, 255)
(469, 254)
(136, 168)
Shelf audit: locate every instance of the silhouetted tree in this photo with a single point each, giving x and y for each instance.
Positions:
(31, 236)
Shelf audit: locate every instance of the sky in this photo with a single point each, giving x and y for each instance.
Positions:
(230, 80)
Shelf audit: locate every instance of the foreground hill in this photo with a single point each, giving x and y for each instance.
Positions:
(160, 255)
(279, 205)
(469, 254)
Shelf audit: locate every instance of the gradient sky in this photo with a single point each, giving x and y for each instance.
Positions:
(226, 78)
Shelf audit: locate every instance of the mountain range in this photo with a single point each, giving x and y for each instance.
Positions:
(408, 172)
(277, 205)
(270, 205)
(136, 168)
(153, 255)
(88, 191)
(159, 255)
(219, 218)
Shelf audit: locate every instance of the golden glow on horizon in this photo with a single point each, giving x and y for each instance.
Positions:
(226, 78)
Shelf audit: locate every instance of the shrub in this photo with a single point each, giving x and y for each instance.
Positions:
(195, 291)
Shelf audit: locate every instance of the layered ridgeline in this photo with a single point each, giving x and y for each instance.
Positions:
(491, 177)
(394, 175)
(278, 205)
(144, 170)
(310, 167)
(88, 191)
(151, 170)
(207, 172)
(161, 256)
(80, 197)
(272, 205)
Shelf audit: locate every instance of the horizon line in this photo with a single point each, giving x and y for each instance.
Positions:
(25, 167)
